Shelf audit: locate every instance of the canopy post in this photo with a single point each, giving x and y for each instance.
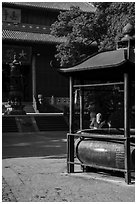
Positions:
(81, 107)
(127, 127)
(70, 140)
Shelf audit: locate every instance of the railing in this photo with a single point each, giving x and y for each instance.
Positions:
(71, 157)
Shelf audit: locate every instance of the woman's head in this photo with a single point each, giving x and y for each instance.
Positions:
(98, 117)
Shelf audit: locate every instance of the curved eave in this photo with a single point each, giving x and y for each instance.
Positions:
(71, 70)
(103, 60)
(10, 35)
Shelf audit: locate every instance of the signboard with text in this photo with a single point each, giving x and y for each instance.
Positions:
(11, 15)
(23, 54)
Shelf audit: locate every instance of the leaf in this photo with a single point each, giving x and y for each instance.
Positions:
(81, 29)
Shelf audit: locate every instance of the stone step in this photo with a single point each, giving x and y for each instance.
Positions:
(34, 123)
(9, 124)
(51, 123)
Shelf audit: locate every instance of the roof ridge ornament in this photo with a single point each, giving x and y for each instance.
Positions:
(129, 29)
(128, 40)
(128, 32)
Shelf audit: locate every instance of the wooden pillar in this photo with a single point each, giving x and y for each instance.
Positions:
(70, 140)
(81, 108)
(127, 127)
(34, 81)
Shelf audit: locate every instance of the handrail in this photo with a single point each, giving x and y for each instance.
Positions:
(101, 84)
(102, 136)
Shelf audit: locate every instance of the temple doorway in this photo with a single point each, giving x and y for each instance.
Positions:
(27, 83)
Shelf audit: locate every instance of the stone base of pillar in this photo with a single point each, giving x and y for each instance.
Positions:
(14, 110)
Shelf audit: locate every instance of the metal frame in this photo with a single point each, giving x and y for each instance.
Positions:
(71, 161)
(126, 139)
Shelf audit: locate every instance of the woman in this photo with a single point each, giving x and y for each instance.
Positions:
(98, 123)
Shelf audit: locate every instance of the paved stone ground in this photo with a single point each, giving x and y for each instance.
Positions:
(7, 195)
(34, 169)
(45, 180)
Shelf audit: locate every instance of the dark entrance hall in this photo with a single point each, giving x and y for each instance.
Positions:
(27, 83)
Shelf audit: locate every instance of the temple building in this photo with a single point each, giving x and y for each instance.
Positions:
(26, 34)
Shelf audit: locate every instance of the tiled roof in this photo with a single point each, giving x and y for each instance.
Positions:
(30, 37)
(37, 33)
(84, 6)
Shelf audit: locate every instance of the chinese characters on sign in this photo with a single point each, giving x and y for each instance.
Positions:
(23, 54)
(11, 15)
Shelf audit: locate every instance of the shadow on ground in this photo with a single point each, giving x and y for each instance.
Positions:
(46, 144)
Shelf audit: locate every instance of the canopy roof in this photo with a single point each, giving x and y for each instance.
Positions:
(101, 60)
